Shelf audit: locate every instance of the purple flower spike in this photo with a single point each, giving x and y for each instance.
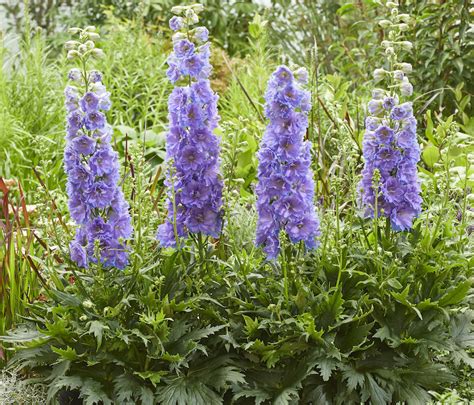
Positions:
(96, 202)
(390, 147)
(192, 149)
(285, 190)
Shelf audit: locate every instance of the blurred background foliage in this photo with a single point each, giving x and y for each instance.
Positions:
(344, 32)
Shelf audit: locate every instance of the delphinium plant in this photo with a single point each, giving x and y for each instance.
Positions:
(96, 202)
(390, 185)
(193, 180)
(285, 190)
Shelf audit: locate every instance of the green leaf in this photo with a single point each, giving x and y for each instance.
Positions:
(153, 376)
(455, 295)
(69, 353)
(430, 155)
(394, 283)
(326, 366)
(251, 325)
(353, 377)
(378, 395)
(97, 329)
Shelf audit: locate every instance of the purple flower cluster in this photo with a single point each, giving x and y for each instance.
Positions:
(194, 185)
(390, 147)
(96, 202)
(285, 189)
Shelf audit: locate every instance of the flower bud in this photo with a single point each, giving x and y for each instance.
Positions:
(89, 44)
(82, 49)
(394, 12)
(379, 74)
(406, 67)
(87, 304)
(407, 45)
(398, 75)
(94, 36)
(406, 88)
(176, 23)
(90, 28)
(191, 16)
(404, 17)
(74, 75)
(177, 10)
(389, 51)
(403, 27)
(73, 54)
(201, 34)
(74, 30)
(68, 45)
(178, 36)
(301, 74)
(385, 23)
(98, 53)
(386, 44)
(377, 94)
(197, 8)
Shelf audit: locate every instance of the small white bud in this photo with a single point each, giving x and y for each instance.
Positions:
(177, 10)
(90, 28)
(386, 44)
(404, 17)
(197, 8)
(82, 49)
(98, 53)
(377, 94)
(87, 304)
(73, 54)
(191, 16)
(385, 23)
(74, 30)
(406, 88)
(94, 36)
(406, 67)
(379, 74)
(403, 27)
(301, 74)
(407, 45)
(389, 51)
(89, 44)
(71, 45)
(394, 12)
(178, 36)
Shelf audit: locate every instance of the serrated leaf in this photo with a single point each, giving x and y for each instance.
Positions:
(326, 366)
(97, 329)
(69, 353)
(153, 376)
(354, 378)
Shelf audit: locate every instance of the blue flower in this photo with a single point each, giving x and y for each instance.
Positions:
(285, 188)
(390, 147)
(94, 120)
(96, 202)
(176, 23)
(192, 150)
(90, 102)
